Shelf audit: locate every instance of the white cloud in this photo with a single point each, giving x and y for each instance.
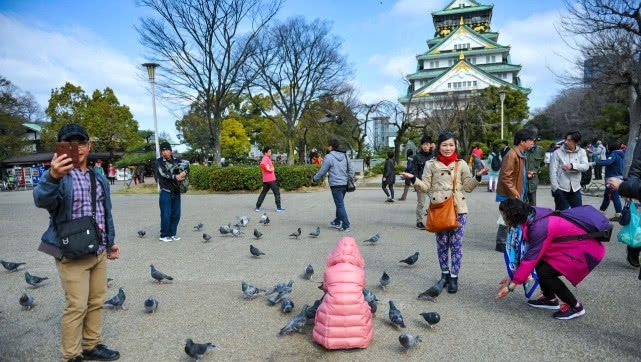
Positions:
(393, 65)
(38, 59)
(417, 8)
(386, 92)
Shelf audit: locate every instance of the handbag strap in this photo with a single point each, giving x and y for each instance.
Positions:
(454, 178)
(93, 194)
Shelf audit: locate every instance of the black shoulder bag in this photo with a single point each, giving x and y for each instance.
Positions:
(81, 236)
(351, 186)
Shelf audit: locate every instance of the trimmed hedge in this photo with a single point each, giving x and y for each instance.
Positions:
(237, 178)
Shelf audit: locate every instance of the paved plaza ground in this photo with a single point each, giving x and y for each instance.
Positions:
(205, 302)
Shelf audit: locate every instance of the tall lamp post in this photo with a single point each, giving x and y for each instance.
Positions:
(502, 93)
(151, 71)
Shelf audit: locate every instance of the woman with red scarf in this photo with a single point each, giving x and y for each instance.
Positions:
(438, 178)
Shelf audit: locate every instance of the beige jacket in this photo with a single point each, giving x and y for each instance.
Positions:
(437, 182)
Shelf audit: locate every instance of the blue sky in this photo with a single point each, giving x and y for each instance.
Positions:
(94, 44)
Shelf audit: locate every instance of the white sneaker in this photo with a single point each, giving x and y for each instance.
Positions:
(166, 239)
(175, 238)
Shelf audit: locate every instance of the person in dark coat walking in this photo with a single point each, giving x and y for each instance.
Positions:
(389, 177)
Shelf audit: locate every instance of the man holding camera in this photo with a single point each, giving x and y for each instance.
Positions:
(170, 172)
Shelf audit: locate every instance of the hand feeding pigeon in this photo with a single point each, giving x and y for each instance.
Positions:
(158, 275)
(257, 234)
(197, 350)
(371, 299)
(296, 233)
(10, 266)
(198, 226)
(34, 280)
(384, 281)
(286, 305)
(151, 304)
(255, 251)
(431, 318)
(410, 260)
(308, 272)
(408, 341)
(263, 218)
(26, 301)
(315, 233)
(297, 324)
(250, 291)
(395, 315)
(118, 300)
(373, 239)
(206, 237)
(141, 233)
(433, 291)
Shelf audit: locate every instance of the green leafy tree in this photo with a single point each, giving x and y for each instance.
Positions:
(615, 120)
(15, 109)
(233, 138)
(66, 105)
(515, 109)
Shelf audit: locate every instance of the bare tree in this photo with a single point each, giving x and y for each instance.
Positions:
(608, 33)
(204, 45)
(295, 63)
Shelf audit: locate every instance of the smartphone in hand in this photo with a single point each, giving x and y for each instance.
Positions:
(71, 150)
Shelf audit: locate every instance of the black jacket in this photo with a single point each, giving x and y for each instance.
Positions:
(419, 163)
(631, 187)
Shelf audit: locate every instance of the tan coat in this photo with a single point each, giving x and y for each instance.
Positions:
(437, 182)
(510, 183)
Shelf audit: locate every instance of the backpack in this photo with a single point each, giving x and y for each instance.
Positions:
(595, 224)
(496, 162)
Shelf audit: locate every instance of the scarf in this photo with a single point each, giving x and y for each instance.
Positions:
(447, 160)
(515, 249)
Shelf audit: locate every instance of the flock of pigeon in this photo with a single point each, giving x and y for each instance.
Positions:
(278, 294)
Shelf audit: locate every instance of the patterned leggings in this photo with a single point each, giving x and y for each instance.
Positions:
(451, 241)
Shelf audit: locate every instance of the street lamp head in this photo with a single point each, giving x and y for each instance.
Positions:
(151, 69)
(502, 94)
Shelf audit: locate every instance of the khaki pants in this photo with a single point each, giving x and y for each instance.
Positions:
(84, 281)
(420, 206)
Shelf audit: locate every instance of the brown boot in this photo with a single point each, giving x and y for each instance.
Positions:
(407, 187)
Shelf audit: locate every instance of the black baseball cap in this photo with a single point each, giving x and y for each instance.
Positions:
(165, 146)
(72, 130)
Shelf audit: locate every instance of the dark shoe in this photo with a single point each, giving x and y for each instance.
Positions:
(453, 285)
(76, 359)
(420, 225)
(101, 353)
(445, 278)
(499, 247)
(566, 312)
(633, 257)
(544, 303)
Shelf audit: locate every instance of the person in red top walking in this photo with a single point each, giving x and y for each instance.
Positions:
(269, 180)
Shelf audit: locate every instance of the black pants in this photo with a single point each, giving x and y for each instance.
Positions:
(598, 172)
(551, 285)
(391, 189)
(266, 186)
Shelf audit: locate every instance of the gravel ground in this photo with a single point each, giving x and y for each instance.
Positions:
(205, 302)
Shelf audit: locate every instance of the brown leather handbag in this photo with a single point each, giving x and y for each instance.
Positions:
(442, 216)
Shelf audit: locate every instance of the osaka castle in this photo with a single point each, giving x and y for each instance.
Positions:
(463, 57)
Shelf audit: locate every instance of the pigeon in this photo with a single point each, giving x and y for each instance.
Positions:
(34, 280)
(225, 229)
(316, 233)
(431, 318)
(310, 313)
(280, 287)
(243, 221)
(257, 234)
(198, 227)
(433, 292)
(286, 305)
(118, 300)
(158, 275)
(410, 260)
(267, 221)
(110, 282)
(373, 239)
(296, 233)
(263, 218)
(10, 266)
(26, 301)
(371, 299)
(197, 350)
(308, 272)
(384, 281)
(141, 233)
(250, 291)
(255, 251)
(235, 232)
(206, 237)
(395, 315)
(151, 304)
(283, 294)
(408, 341)
(297, 324)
